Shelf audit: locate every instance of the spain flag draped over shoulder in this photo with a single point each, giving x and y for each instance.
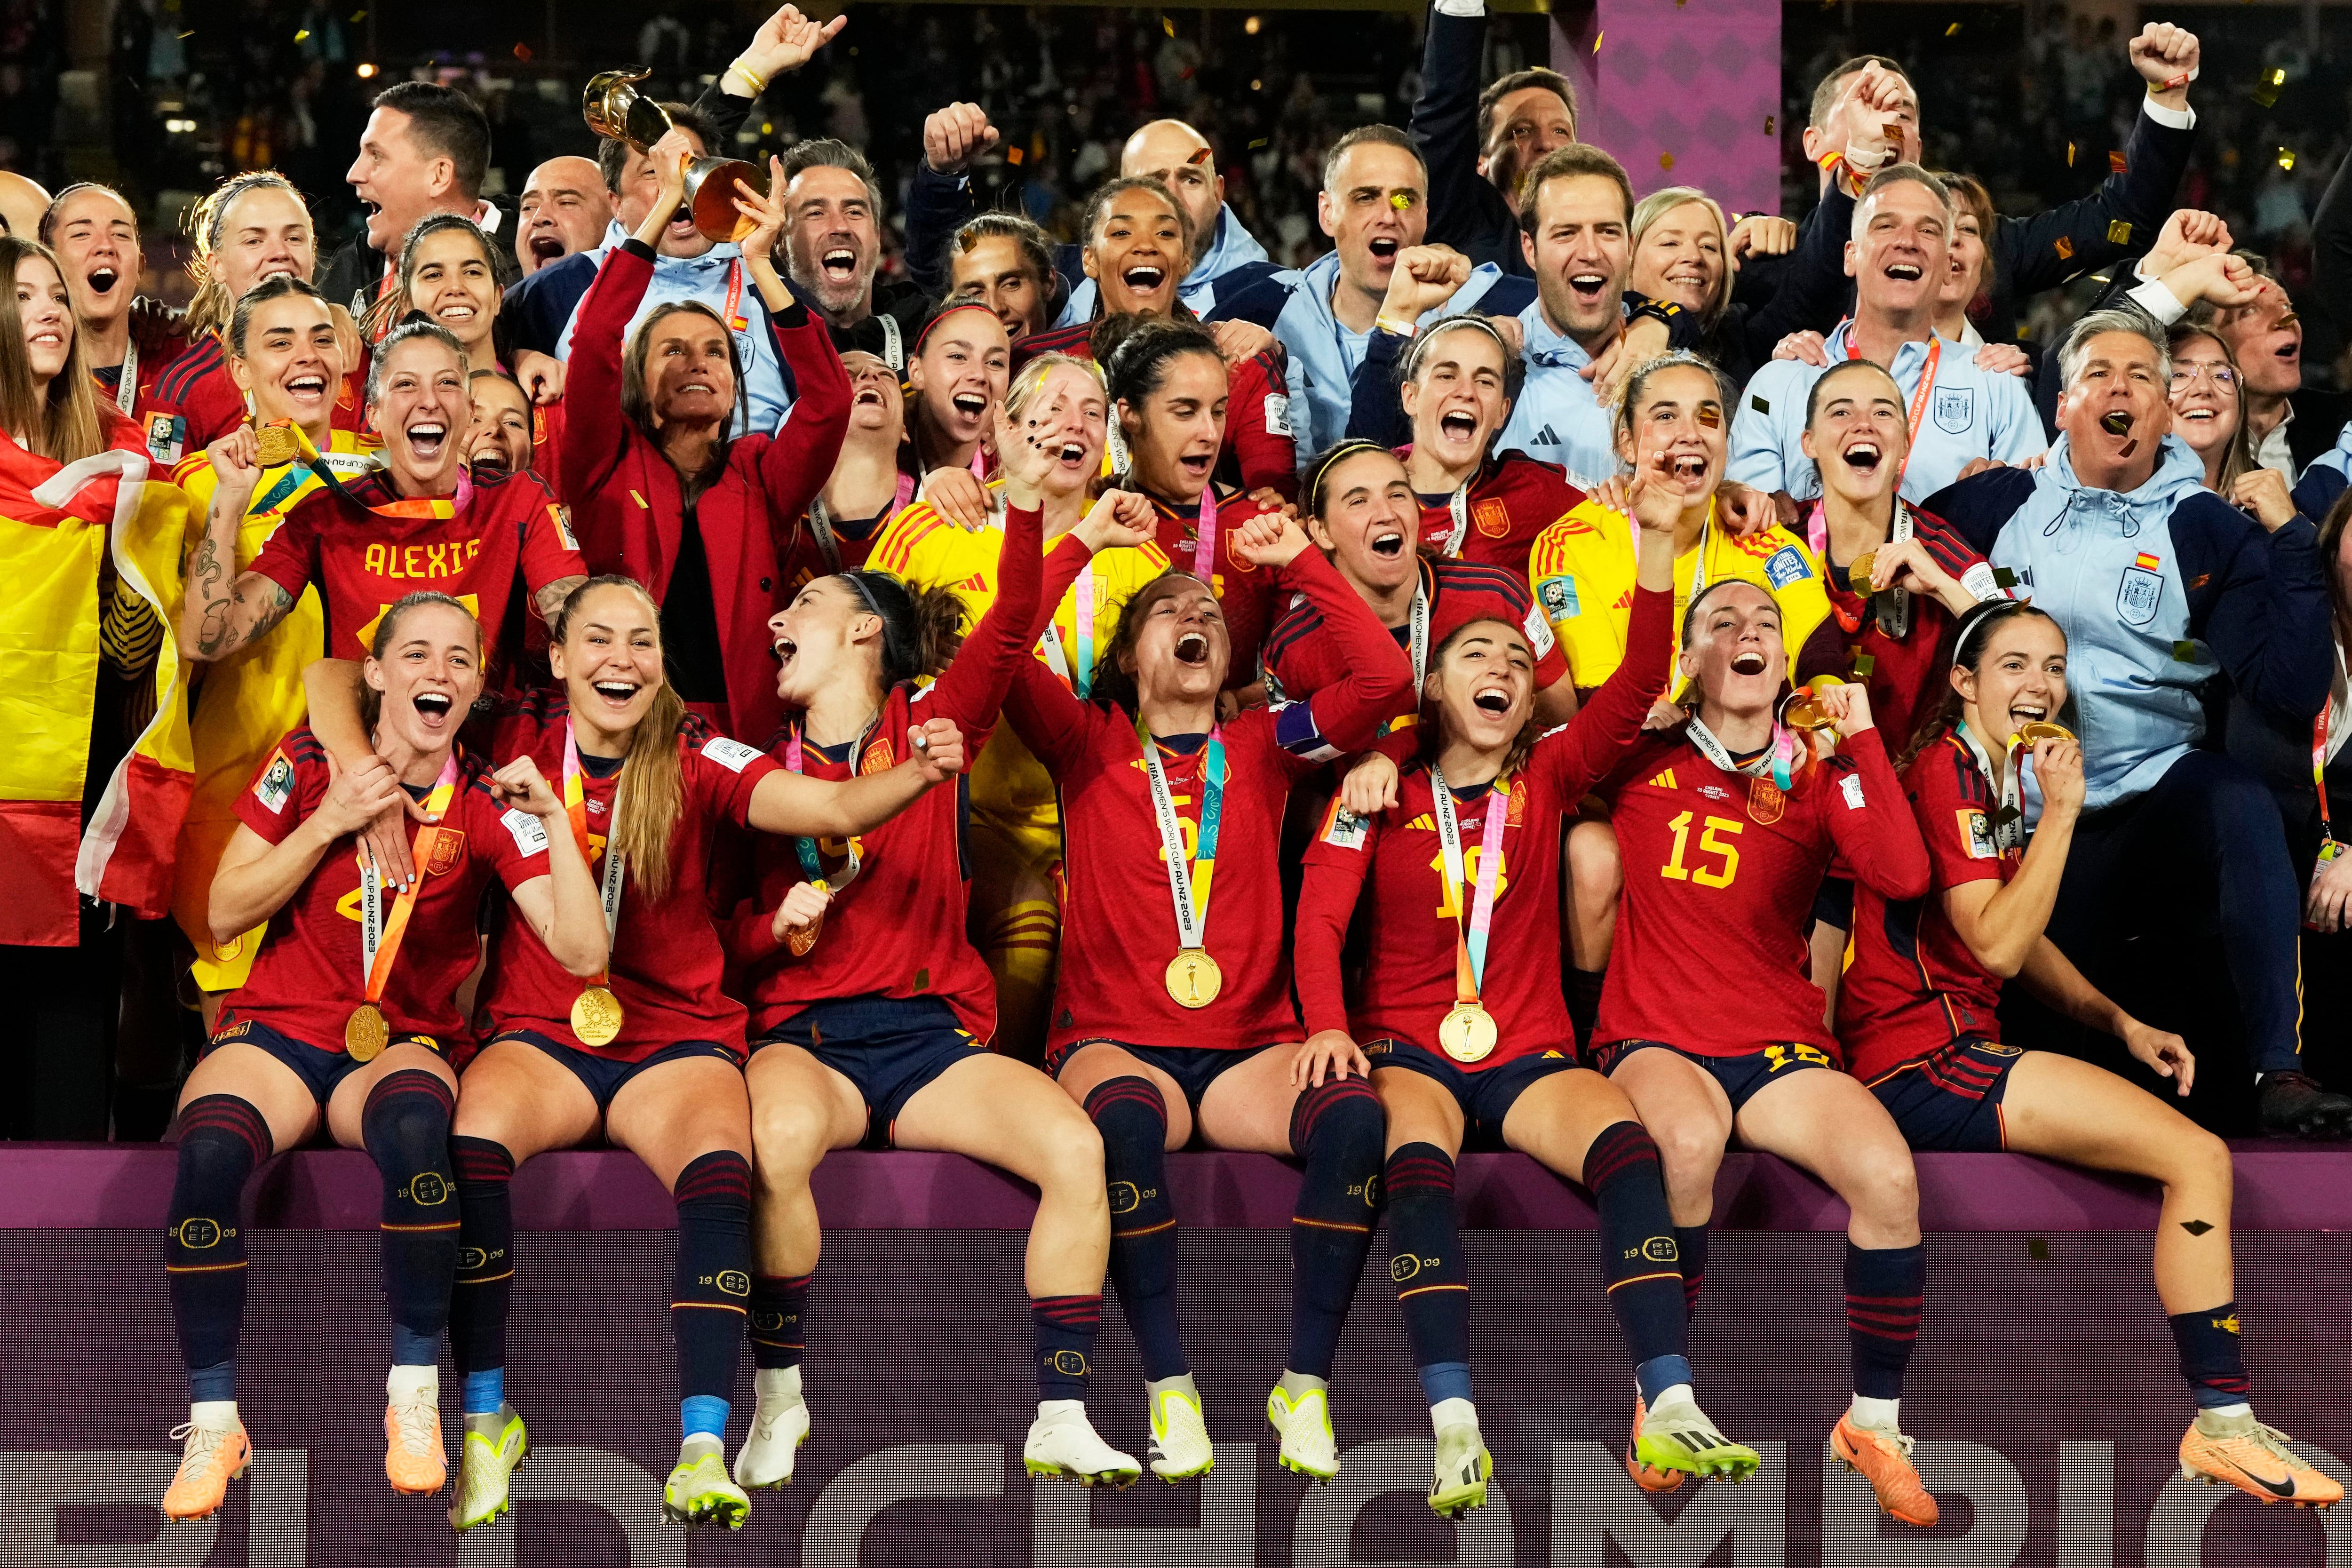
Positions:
(57, 524)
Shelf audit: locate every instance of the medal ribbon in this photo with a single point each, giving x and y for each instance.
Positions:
(575, 806)
(1777, 760)
(1894, 617)
(1204, 537)
(126, 390)
(735, 321)
(380, 935)
(1188, 875)
(1458, 503)
(2319, 777)
(1079, 677)
(2008, 816)
(812, 865)
(1471, 929)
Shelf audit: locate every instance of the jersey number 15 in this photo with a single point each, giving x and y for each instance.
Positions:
(1706, 875)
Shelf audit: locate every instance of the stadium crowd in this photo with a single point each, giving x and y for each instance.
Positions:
(620, 667)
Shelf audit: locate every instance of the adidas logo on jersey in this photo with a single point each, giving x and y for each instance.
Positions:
(1665, 781)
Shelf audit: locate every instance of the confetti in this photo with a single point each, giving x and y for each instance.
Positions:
(1012, 156)
(300, 34)
(2070, 154)
(2038, 1249)
(1757, 403)
(1201, 156)
(1596, 42)
(2065, 248)
(2120, 231)
(2186, 652)
(1950, 31)
(1169, 25)
(522, 51)
(1258, 143)
(2285, 159)
(1769, 121)
(1864, 666)
(1400, 199)
(1665, 160)
(2116, 164)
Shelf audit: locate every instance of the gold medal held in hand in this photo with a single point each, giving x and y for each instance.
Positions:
(1803, 713)
(1857, 576)
(596, 1015)
(1193, 978)
(1468, 1033)
(277, 443)
(2041, 729)
(365, 1033)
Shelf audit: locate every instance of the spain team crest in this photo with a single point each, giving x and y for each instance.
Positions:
(442, 849)
(1766, 802)
(1492, 517)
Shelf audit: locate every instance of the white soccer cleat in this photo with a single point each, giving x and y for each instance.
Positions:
(1179, 1437)
(485, 1469)
(1304, 1423)
(1063, 1445)
(778, 1427)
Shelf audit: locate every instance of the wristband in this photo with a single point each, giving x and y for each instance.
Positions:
(751, 82)
(1390, 324)
(2182, 79)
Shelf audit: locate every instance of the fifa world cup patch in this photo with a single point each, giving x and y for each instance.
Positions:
(1277, 415)
(529, 833)
(276, 784)
(1557, 597)
(1787, 565)
(1977, 833)
(732, 755)
(167, 437)
(561, 515)
(1851, 787)
(1539, 631)
(1345, 830)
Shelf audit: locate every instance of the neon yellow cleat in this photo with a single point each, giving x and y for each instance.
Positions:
(1179, 1437)
(1677, 1437)
(1308, 1447)
(700, 1491)
(485, 1469)
(1065, 1446)
(1464, 1468)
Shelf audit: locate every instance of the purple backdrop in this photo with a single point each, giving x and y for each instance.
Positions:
(1690, 81)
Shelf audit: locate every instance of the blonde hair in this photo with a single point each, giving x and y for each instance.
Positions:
(60, 422)
(650, 794)
(1656, 205)
(1031, 379)
(207, 222)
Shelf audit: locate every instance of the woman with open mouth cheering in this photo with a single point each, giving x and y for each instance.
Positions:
(1467, 1036)
(1161, 1033)
(346, 1024)
(661, 492)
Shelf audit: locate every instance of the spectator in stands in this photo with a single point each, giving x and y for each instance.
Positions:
(2200, 587)
(1006, 263)
(1479, 142)
(566, 208)
(424, 151)
(1899, 259)
(126, 337)
(2288, 423)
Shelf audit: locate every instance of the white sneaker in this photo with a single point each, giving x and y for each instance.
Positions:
(1179, 1437)
(1307, 1446)
(484, 1470)
(1062, 1444)
(778, 1427)
(1464, 1468)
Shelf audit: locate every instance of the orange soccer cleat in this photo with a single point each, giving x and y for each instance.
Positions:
(412, 1460)
(1649, 1478)
(2256, 1460)
(213, 1457)
(1885, 1460)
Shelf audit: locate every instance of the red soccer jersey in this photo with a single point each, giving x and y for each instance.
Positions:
(198, 390)
(1408, 981)
(309, 974)
(1259, 452)
(510, 533)
(898, 928)
(1303, 661)
(1247, 593)
(1118, 921)
(1906, 673)
(1913, 987)
(667, 961)
(1513, 500)
(1720, 873)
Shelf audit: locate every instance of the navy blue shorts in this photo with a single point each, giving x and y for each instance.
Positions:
(891, 1047)
(1742, 1076)
(601, 1076)
(1951, 1100)
(320, 1070)
(1485, 1096)
(1194, 1067)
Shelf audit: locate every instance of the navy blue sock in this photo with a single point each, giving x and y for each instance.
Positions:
(2210, 1358)
(779, 1317)
(485, 1281)
(1430, 1272)
(1640, 1263)
(222, 1139)
(1583, 991)
(1133, 1119)
(1066, 1327)
(1338, 1130)
(711, 1288)
(404, 1126)
(1690, 1250)
(1885, 1288)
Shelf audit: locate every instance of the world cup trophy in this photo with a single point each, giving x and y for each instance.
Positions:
(612, 107)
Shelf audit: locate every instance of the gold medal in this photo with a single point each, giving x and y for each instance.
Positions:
(2042, 730)
(1468, 1033)
(365, 1033)
(1857, 576)
(277, 443)
(1804, 713)
(596, 1015)
(1193, 978)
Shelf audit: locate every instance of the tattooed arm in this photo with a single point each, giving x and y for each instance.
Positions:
(225, 609)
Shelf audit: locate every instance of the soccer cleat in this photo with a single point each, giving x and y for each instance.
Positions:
(1066, 1446)
(1464, 1468)
(700, 1491)
(2293, 1104)
(1307, 1446)
(1179, 1437)
(1646, 1476)
(779, 1427)
(213, 1457)
(1884, 1459)
(485, 1469)
(2256, 1460)
(412, 1460)
(1679, 1436)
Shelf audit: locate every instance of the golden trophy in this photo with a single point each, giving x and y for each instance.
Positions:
(612, 107)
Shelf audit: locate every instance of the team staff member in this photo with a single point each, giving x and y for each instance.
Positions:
(1920, 1025)
(1725, 826)
(1014, 833)
(1482, 138)
(872, 1013)
(1467, 1034)
(127, 337)
(1159, 1037)
(1005, 262)
(286, 355)
(1365, 519)
(344, 1020)
(565, 209)
(665, 494)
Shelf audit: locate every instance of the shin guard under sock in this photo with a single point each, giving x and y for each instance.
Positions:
(1338, 1128)
(779, 1319)
(477, 1306)
(711, 1288)
(2210, 1356)
(1639, 1262)
(1885, 1288)
(222, 1139)
(404, 1126)
(1430, 1272)
(1066, 1327)
(1133, 1119)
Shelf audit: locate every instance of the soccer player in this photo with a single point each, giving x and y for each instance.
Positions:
(1015, 835)
(867, 487)
(1005, 262)
(1726, 825)
(955, 381)
(285, 355)
(1920, 1023)
(1466, 1035)
(127, 337)
(871, 1011)
(344, 1025)
(663, 492)
(447, 272)
(1365, 519)
(1163, 1033)
(500, 441)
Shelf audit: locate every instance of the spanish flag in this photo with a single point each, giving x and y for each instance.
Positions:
(58, 524)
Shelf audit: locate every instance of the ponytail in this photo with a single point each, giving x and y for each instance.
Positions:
(650, 794)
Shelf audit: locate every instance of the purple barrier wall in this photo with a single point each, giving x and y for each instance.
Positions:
(1683, 92)
(2043, 1391)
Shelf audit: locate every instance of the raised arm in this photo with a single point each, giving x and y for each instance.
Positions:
(795, 464)
(1445, 121)
(1589, 746)
(225, 609)
(790, 805)
(597, 433)
(938, 196)
(1347, 714)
